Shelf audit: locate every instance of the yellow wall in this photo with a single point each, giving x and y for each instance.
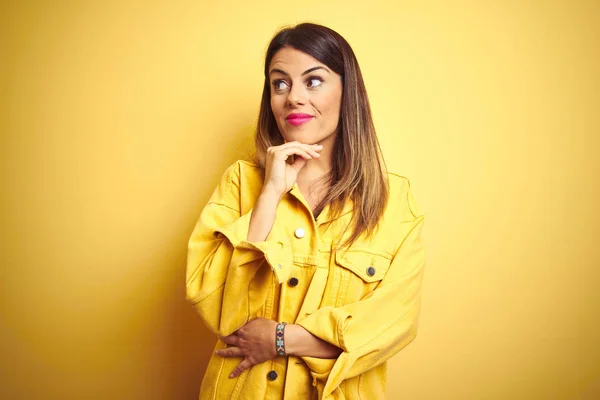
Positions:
(118, 118)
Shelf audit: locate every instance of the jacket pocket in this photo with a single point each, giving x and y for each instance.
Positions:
(357, 272)
(369, 265)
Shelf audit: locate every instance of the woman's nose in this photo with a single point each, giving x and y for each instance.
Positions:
(296, 95)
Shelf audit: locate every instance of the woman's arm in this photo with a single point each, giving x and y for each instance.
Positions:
(255, 342)
(227, 247)
(301, 343)
(279, 179)
(372, 330)
(263, 217)
(223, 267)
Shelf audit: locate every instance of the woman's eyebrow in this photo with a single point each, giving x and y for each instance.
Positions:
(308, 71)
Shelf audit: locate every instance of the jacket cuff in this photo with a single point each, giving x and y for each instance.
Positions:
(327, 374)
(276, 249)
(329, 324)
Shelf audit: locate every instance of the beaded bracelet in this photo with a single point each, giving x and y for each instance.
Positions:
(279, 342)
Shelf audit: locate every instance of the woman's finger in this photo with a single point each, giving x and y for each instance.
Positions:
(312, 149)
(297, 143)
(230, 352)
(231, 339)
(297, 152)
(308, 147)
(244, 365)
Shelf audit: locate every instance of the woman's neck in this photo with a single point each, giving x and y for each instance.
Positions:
(312, 179)
(317, 168)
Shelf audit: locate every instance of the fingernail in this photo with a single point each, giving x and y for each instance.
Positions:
(231, 375)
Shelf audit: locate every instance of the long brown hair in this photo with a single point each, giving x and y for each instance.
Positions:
(358, 167)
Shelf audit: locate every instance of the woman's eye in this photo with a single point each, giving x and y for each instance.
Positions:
(279, 85)
(314, 82)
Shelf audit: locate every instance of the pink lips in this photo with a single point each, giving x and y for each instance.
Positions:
(298, 119)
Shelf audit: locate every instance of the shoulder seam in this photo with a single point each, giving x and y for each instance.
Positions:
(234, 169)
(400, 176)
(248, 163)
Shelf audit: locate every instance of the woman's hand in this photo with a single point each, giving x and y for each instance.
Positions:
(254, 341)
(280, 175)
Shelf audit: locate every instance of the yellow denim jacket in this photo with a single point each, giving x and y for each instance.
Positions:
(365, 300)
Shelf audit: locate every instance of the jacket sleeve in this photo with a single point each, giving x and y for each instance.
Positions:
(228, 278)
(372, 330)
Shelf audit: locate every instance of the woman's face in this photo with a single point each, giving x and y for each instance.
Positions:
(306, 97)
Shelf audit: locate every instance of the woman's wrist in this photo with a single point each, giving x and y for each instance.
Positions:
(280, 339)
(301, 343)
(268, 192)
(291, 336)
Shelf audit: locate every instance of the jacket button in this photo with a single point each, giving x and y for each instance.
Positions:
(370, 271)
(272, 375)
(293, 282)
(299, 233)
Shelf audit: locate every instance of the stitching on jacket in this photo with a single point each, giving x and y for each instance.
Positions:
(228, 192)
(359, 269)
(241, 381)
(421, 219)
(198, 269)
(358, 385)
(270, 303)
(408, 201)
(365, 249)
(343, 289)
(399, 176)
(216, 383)
(196, 301)
(216, 203)
(340, 330)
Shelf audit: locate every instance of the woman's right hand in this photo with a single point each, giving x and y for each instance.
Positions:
(280, 175)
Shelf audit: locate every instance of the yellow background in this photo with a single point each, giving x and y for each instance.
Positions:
(118, 118)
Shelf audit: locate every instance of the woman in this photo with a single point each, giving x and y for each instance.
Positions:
(314, 234)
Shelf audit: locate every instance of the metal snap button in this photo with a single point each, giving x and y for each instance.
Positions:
(272, 375)
(299, 233)
(293, 282)
(371, 271)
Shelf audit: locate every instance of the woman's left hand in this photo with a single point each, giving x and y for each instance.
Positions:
(254, 341)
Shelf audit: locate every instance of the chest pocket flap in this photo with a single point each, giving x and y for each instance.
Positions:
(367, 264)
